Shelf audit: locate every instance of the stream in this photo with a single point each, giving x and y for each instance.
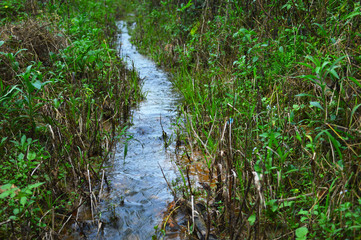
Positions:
(139, 194)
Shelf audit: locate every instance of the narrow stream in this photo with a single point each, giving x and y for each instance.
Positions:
(139, 194)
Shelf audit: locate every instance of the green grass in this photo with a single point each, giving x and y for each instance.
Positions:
(64, 97)
(271, 94)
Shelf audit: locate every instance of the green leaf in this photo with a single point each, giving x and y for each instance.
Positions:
(6, 186)
(21, 157)
(334, 141)
(195, 28)
(56, 103)
(304, 95)
(353, 112)
(3, 140)
(23, 140)
(303, 212)
(37, 84)
(31, 156)
(333, 65)
(183, 178)
(317, 104)
(23, 200)
(252, 219)
(264, 135)
(306, 65)
(1, 43)
(125, 149)
(301, 233)
(355, 81)
(184, 7)
(286, 204)
(16, 211)
(351, 15)
(10, 93)
(325, 64)
(334, 73)
(35, 185)
(310, 77)
(274, 208)
(354, 227)
(26, 77)
(5, 194)
(24, 49)
(298, 136)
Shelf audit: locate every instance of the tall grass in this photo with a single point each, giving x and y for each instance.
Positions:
(272, 96)
(64, 96)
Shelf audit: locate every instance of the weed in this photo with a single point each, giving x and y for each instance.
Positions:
(61, 86)
(271, 98)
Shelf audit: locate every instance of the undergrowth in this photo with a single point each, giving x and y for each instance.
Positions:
(272, 100)
(64, 96)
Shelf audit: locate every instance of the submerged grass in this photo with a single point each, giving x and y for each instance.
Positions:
(272, 99)
(64, 97)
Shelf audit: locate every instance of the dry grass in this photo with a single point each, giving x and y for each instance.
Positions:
(29, 41)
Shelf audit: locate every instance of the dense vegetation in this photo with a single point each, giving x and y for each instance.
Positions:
(272, 99)
(64, 96)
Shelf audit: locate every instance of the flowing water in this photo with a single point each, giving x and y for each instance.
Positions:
(139, 194)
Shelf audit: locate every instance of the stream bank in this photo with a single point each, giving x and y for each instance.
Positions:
(64, 93)
(271, 100)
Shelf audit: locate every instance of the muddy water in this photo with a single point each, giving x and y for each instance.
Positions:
(139, 194)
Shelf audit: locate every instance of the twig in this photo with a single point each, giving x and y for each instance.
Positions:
(77, 213)
(195, 133)
(165, 223)
(210, 131)
(234, 108)
(257, 182)
(99, 226)
(169, 186)
(90, 191)
(32, 173)
(192, 201)
(5, 222)
(53, 219)
(101, 185)
(294, 198)
(65, 223)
